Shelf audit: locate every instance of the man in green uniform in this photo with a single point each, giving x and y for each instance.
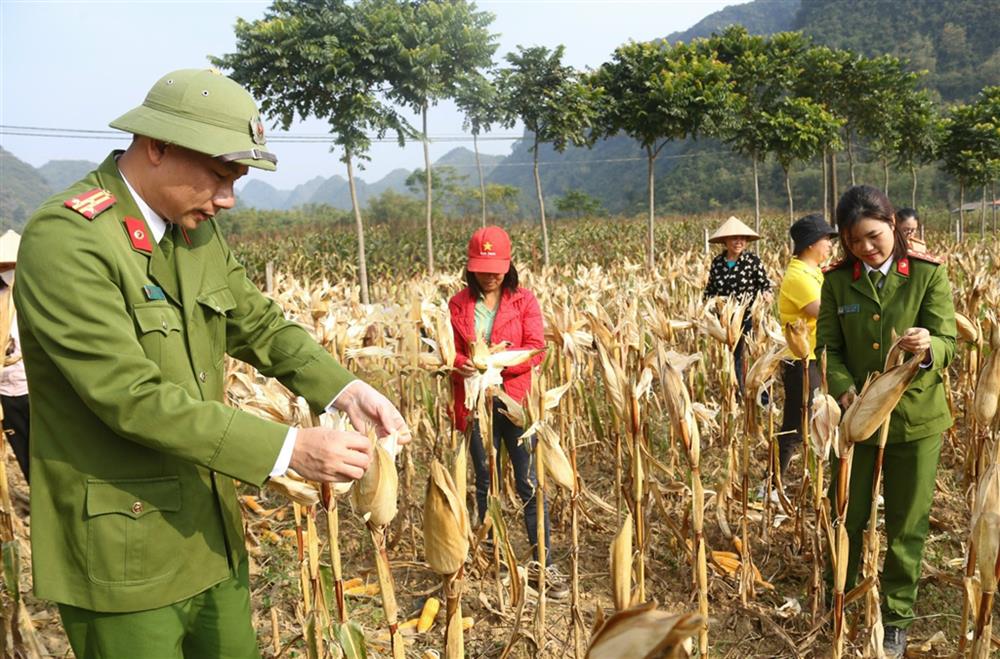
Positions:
(128, 300)
(881, 288)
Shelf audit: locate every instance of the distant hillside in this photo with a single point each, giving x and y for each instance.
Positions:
(464, 162)
(956, 41)
(60, 174)
(21, 191)
(759, 17)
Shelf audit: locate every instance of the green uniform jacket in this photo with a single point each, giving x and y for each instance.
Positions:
(133, 453)
(855, 326)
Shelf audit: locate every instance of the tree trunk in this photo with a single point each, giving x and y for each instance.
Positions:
(982, 215)
(650, 181)
(541, 209)
(885, 175)
(756, 193)
(850, 156)
(428, 191)
(826, 188)
(993, 194)
(482, 181)
(791, 206)
(362, 259)
(833, 188)
(913, 190)
(961, 211)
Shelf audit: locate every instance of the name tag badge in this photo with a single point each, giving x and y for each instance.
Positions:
(153, 292)
(849, 308)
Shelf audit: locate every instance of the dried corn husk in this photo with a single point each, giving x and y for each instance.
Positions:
(446, 525)
(621, 566)
(557, 465)
(642, 631)
(988, 387)
(877, 400)
(763, 369)
(711, 325)
(987, 537)
(823, 424)
(374, 495)
(616, 382)
(298, 491)
(797, 338)
(968, 329)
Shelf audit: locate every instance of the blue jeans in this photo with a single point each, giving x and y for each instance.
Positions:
(522, 459)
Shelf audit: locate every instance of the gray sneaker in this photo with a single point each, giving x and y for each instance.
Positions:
(556, 586)
(894, 642)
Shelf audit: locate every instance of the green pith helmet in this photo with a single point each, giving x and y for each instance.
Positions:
(202, 110)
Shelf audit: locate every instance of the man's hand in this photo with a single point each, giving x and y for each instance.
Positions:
(847, 398)
(326, 455)
(915, 340)
(366, 407)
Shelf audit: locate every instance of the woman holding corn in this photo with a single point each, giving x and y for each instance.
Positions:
(737, 273)
(881, 288)
(496, 309)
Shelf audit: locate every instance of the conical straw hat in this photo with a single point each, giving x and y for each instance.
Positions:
(733, 227)
(9, 242)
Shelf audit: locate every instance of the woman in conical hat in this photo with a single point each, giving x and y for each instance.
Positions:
(738, 273)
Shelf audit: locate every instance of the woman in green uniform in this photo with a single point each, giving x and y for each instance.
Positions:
(881, 287)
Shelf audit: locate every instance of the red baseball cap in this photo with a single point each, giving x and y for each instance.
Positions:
(489, 251)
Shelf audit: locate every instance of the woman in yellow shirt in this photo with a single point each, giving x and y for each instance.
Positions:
(798, 299)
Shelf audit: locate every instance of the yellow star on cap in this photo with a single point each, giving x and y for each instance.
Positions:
(488, 247)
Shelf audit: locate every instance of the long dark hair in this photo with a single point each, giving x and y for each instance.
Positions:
(865, 202)
(509, 282)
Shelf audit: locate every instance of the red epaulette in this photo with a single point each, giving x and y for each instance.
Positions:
(833, 266)
(92, 203)
(925, 256)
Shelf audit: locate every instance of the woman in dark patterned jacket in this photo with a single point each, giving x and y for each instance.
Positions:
(737, 273)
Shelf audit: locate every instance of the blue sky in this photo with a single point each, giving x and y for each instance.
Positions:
(81, 64)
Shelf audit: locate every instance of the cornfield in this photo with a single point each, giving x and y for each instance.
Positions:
(649, 460)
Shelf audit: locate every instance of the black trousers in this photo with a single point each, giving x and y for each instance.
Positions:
(791, 417)
(522, 459)
(15, 426)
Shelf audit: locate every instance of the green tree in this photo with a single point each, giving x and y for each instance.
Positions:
(762, 71)
(579, 204)
(920, 133)
(970, 151)
(553, 101)
(447, 186)
(476, 96)
(425, 50)
(502, 199)
(657, 93)
(311, 58)
(882, 89)
(822, 79)
(799, 130)
(393, 207)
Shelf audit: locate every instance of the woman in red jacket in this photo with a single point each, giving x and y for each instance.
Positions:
(494, 307)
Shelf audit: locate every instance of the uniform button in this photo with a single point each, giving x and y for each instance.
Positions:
(202, 376)
(137, 507)
(876, 317)
(875, 346)
(163, 324)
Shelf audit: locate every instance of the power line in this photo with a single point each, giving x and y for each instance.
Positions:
(305, 138)
(279, 136)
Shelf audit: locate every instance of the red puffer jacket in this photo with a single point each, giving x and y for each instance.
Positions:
(518, 321)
